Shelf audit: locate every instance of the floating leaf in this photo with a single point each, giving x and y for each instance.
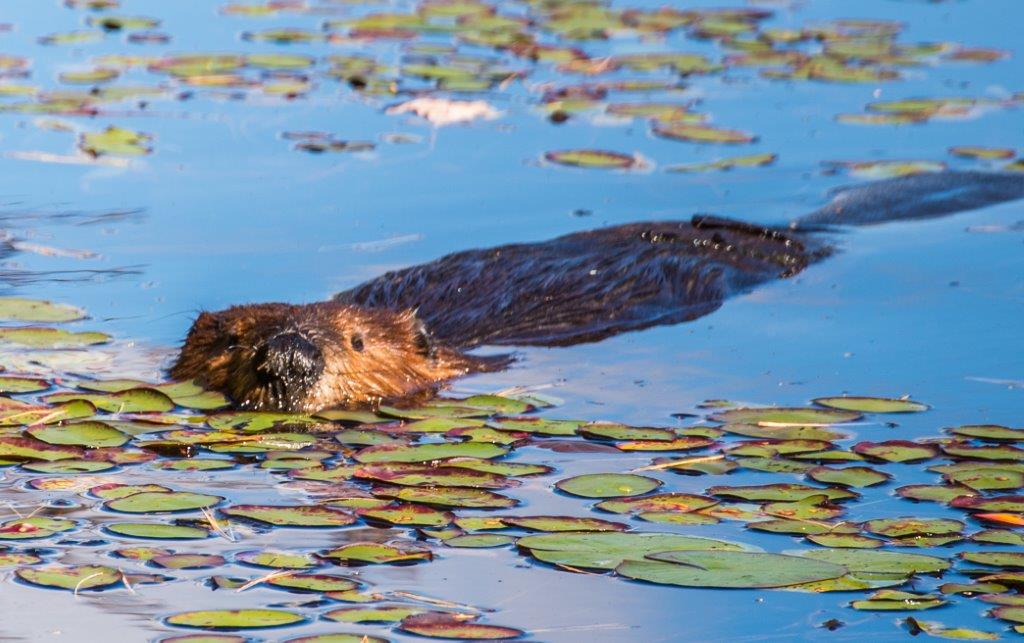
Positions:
(448, 496)
(728, 569)
(72, 578)
(871, 404)
(376, 554)
(380, 614)
(277, 559)
(696, 133)
(562, 523)
(882, 562)
(903, 527)
(428, 452)
(891, 600)
(38, 310)
(40, 337)
(446, 625)
(848, 477)
(160, 502)
(896, 451)
(116, 141)
(291, 515)
(87, 434)
(600, 159)
(241, 619)
(607, 485)
(605, 550)
(312, 583)
(156, 531)
(780, 492)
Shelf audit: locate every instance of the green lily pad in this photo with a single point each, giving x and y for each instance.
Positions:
(698, 133)
(1013, 504)
(242, 619)
(605, 550)
(117, 141)
(41, 337)
(93, 435)
(1003, 452)
(781, 416)
(336, 638)
(934, 493)
(990, 432)
(601, 159)
(883, 562)
(291, 515)
(607, 485)
(38, 310)
(448, 496)
(896, 451)
(72, 578)
(428, 452)
(446, 625)
(139, 400)
(780, 492)
(903, 527)
(995, 558)
(277, 559)
(156, 531)
(844, 541)
(479, 541)
(312, 583)
(34, 527)
(728, 569)
(872, 404)
(375, 554)
(407, 514)
(999, 537)
(187, 561)
(562, 523)
(379, 614)
(891, 600)
(987, 479)
(10, 384)
(849, 477)
(160, 502)
(794, 432)
(612, 431)
(541, 426)
(68, 466)
(425, 476)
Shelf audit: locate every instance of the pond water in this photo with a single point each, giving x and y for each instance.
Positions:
(226, 209)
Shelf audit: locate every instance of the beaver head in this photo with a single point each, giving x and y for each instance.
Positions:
(306, 358)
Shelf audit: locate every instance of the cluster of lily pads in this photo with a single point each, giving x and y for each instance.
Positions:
(403, 486)
(476, 48)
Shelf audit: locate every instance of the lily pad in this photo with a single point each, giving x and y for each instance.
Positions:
(428, 452)
(896, 451)
(73, 578)
(291, 515)
(86, 434)
(605, 550)
(162, 501)
(728, 569)
(241, 619)
(607, 485)
(376, 554)
(781, 416)
(600, 159)
(156, 531)
(444, 625)
(872, 404)
(882, 562)
(38, 310)
(41, 337)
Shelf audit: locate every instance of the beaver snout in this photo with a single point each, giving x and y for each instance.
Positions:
(289, 357)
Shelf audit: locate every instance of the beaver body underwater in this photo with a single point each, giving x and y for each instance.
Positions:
(401, 335)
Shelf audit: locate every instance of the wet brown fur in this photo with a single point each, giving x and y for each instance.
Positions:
(397, 360)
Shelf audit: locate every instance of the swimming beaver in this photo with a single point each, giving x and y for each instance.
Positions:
(401, 335)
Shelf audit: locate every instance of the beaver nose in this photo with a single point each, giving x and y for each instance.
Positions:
(289, 356)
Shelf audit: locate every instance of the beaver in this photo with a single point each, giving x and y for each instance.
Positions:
(401, 336)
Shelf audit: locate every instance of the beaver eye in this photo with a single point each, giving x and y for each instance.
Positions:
(357, 343)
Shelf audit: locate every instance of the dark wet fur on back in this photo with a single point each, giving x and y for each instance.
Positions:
(586, 286)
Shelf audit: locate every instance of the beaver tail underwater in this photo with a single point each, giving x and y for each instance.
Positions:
(400, 336)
